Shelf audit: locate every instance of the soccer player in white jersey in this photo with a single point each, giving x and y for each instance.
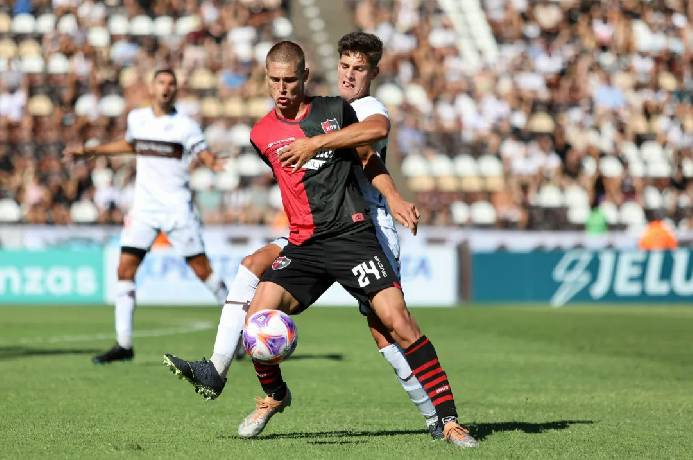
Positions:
(358, 66)
(164, 142)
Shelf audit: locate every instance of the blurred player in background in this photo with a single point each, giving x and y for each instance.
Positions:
(165, 143)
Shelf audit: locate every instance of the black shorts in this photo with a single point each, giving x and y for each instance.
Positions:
(356, 261)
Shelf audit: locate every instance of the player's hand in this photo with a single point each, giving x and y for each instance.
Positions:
(218, 165)
(404, 212)
(297, 153)
(73, 151)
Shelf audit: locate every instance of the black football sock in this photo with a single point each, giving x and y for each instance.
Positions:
(423, 360)
(270, 377)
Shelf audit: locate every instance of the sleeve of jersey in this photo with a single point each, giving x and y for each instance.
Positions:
(262, 157)
(348, 114)
(195, 141)
(129, 136)
(369, 106)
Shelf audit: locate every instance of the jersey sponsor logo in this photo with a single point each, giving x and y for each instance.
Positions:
(280, 263)
(358, 217)
(159, 148)
(329, 125)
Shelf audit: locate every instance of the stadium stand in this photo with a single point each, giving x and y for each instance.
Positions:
(508, 113)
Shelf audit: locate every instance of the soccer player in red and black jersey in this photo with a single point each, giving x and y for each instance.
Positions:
(331, 237)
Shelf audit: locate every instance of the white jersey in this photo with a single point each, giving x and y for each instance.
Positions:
(165, 146)
(364, 108)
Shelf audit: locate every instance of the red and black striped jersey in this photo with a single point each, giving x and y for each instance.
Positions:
(322, 198)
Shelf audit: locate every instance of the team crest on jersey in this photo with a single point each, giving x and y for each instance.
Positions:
(330, 125)
(280, 262)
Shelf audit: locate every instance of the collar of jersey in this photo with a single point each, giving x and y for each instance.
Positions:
(309, 103)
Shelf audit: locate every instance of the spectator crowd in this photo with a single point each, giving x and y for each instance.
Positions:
(583, 115)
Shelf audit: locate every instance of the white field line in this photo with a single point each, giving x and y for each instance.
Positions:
(190, 328)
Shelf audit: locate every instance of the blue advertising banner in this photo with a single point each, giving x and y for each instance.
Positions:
(52, 276)
(582, 275)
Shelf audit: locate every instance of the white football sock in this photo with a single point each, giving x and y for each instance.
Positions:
(417, 395)
(124, 312)
(241, 292)
(217, 287)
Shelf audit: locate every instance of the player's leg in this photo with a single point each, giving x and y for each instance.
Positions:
(291, 284)
(200, 265)
(136, 239)
(394, 355)
(241, 292)
(389, 306)
(209, 377)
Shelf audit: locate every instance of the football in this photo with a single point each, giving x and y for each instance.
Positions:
(270, 336)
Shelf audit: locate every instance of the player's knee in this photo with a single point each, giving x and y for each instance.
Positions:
(126, 270)
(254, 263)
(200, 266)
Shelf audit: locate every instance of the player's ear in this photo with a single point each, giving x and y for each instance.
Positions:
(306, 71)
(375, 71)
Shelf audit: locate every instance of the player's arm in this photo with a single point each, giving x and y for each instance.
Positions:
(211, 160)
(118, 147)
(366, 132)
(373, 166)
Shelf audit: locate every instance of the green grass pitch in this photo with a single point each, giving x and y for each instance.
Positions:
(531, 382)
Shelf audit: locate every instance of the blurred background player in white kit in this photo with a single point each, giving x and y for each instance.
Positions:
(358, 66)
(165, 142)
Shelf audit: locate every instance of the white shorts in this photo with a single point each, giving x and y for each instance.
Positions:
(183, 231)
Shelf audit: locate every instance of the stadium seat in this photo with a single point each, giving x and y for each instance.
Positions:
(234, 107)
(98, 37)
(658, 169)
(40, 106)
(45, 23)
(258, 107)
(23, 24)
(441, 166)
(163, 26)
(632, 215)
(239, 135)
(9, 211)
(491, 169)
(687, 167)
(483, 214)
(118, 25)
(651, 151)
(102, 177)
(87, 105)
(576, 196)
(8, 49)
(610, 211)
(416, 95)
(67, 25)
(250, 165)
(550, 196)
(636, 168)
(653, 198)
(84, 212)
(141, 26)
(187, 24)
(5, 23)
(210, 107)
(578, 215)
(261, 50)
(29, 48)
(282, 27)
(459, 210)
(589, 165)
(111, 106)
(415, 165)
(228, 179)
(541, 123)
(390, 94)
(58, 64)
(201, 179)
(202, 79)
(609, 166)
(275, 198)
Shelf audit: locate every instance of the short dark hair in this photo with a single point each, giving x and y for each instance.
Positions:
(287, 51)
(165, 70)
(361, 42)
